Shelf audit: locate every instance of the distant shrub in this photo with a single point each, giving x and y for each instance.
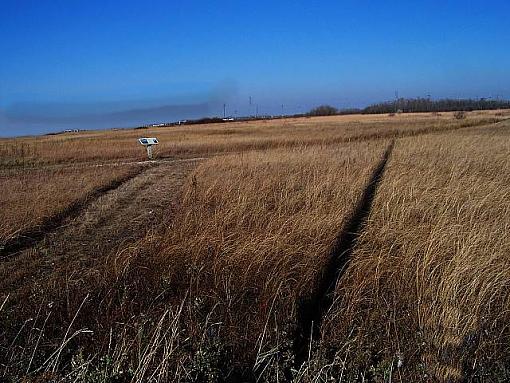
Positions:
(391, 114)
(436, 114)
(323, 110)
(460, 115)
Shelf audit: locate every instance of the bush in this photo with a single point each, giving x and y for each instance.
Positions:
(323, 110)
(460, 115)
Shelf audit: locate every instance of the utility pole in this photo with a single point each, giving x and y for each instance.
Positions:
(282, 110)
(224, 110)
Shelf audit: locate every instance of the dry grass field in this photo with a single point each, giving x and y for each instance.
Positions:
(426, 294)
(251, 235)
(197, 269)
(194, 140)
(254, 232)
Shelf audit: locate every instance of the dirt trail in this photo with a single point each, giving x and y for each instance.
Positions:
(112, 221)
(31, 236)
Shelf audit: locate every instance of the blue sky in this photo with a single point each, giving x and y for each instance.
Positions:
(84, 63)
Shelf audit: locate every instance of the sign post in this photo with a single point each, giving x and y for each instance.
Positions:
(148, 142)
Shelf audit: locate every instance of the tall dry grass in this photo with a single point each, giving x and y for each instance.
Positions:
(211, 295)
(252, 233)
(255, 230)
(426, 295)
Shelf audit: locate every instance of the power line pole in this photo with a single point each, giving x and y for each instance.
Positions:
(224, 110)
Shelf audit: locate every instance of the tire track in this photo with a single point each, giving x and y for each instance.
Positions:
(312, 310)
(112, 222)
(34, 235)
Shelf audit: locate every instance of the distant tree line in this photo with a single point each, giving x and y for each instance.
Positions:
(409, 105)
(404, 105)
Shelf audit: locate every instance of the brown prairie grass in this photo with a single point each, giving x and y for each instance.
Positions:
(426, 295)
(193, 140)
(211, 295)
(255, 230)
(251, 236)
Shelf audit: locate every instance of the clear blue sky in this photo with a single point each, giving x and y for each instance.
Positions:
(85, 63)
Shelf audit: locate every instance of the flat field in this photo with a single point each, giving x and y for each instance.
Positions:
(345, 248)
(194, 140)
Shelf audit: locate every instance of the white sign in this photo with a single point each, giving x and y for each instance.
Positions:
(148, 142)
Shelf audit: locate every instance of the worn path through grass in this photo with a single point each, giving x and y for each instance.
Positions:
(111, 222)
